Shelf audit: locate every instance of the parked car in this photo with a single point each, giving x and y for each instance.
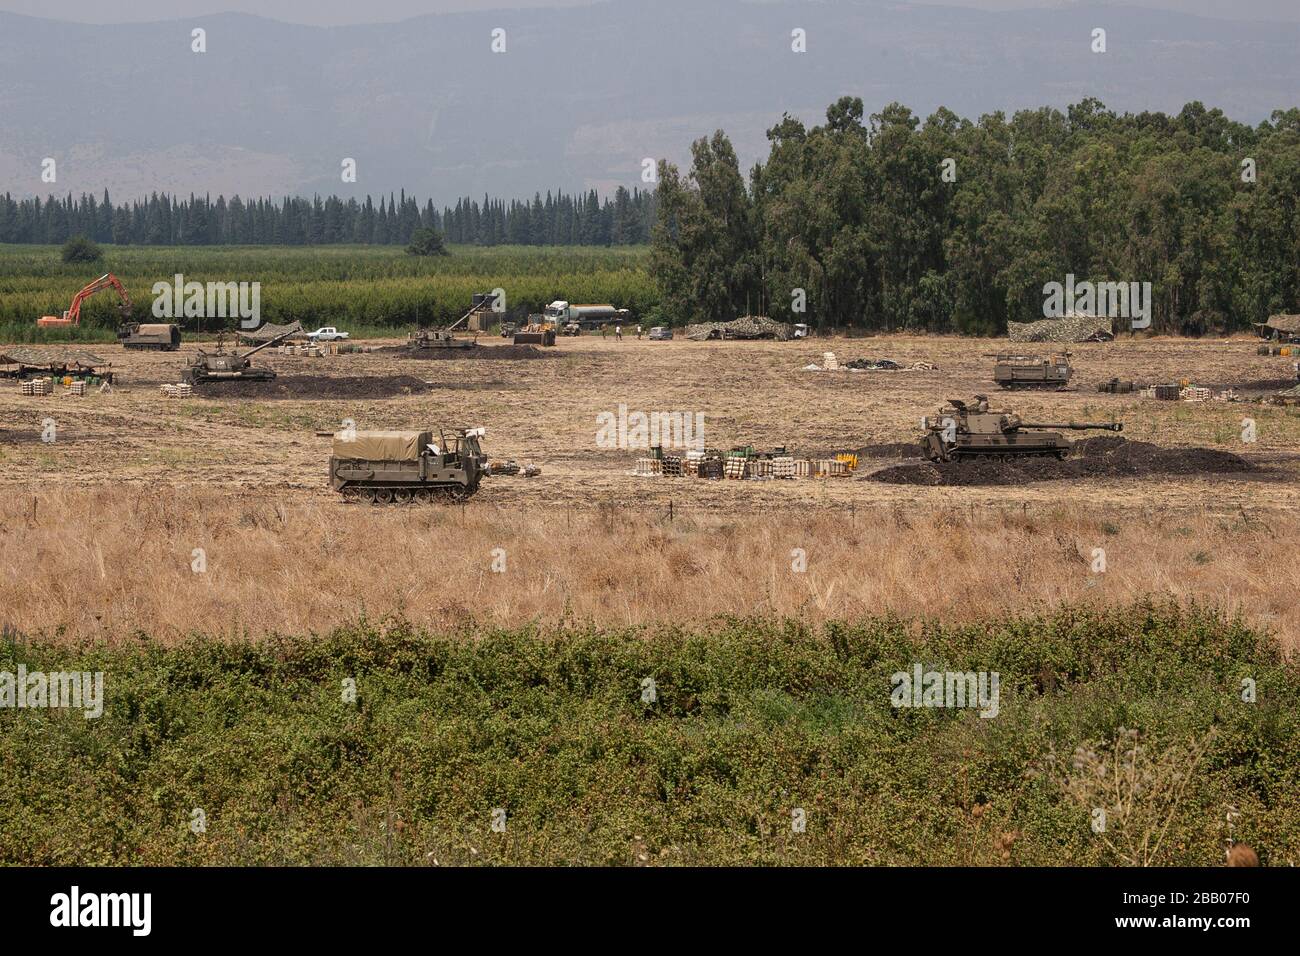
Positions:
(661, 333)
(327, 334)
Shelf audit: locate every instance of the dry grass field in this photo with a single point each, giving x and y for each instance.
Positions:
(98, 529)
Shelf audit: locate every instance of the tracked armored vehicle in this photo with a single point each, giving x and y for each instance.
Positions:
(960, 431)
(156, 336)
(401, 467)
(438, 339)
(223, 366)
(1015, 371)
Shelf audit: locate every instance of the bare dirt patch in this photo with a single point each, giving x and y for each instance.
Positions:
(1102, 457)
(515, 352)
(308, 387)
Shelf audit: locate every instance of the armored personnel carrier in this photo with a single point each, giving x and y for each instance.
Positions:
(1015, 371)
(960, 431)
(387, 467)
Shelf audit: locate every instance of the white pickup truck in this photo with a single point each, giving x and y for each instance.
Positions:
(327, 334)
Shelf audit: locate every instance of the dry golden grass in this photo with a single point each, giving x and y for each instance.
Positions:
(82, 564)
(135, 483)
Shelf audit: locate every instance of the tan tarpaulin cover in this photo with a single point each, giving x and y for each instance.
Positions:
(155, 329)
(382, 446)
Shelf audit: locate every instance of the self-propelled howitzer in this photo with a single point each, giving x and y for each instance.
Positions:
(962, 431)
(226, 366)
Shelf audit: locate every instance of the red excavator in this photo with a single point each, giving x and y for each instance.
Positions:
(73, 315)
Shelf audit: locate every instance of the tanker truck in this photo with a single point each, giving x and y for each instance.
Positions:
(561, 313)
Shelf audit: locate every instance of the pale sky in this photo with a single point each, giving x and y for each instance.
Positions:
(339, 12)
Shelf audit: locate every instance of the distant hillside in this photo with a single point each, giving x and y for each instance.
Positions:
(581, 96)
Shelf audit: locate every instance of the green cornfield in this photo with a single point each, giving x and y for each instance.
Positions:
(368, 290)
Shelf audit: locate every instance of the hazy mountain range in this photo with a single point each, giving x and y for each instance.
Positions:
(579, 98)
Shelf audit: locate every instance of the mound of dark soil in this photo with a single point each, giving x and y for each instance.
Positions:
(1260, 385)
(1101, 457)
(898, 449)
(518, 352)
(305, 387)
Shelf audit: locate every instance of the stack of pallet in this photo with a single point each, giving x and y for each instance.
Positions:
(734, 466)
(77, 388)
(783, 467)
(803, 468)
(691, 464)
(36, 386)
(183, 390)
(671, 466)
(759, 468)
(1195, 393)
(710, 468)
(648, 467)
(830, 468)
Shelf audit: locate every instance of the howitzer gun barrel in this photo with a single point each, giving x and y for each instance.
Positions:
(268, 342)
(1076, 426)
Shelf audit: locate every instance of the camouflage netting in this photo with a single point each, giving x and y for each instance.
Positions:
(267, 331)
(1283, 324)
(49, 357)
(1070, 328)
(745, 327)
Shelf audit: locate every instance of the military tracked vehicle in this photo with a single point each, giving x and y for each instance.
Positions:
(960, 431)
(223, 366)
(438, 339)
(400, 467)
(1014, 371)
(481, 308)
(155, 336)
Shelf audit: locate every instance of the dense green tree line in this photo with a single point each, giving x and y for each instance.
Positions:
(558, 219)
(954, 225)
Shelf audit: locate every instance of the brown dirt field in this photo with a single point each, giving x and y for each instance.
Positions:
(315, 387)
(219, 461)
(498, 352)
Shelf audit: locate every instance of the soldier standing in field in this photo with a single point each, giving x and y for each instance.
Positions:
(618, 332)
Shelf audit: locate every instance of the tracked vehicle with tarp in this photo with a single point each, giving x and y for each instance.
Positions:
(400, 467)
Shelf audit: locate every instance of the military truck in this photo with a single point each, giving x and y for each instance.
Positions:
(156, 336)
(960, 431)
(400, 467)
(1014, 371)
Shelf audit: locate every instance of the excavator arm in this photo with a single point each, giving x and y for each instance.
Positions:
(73, 315)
